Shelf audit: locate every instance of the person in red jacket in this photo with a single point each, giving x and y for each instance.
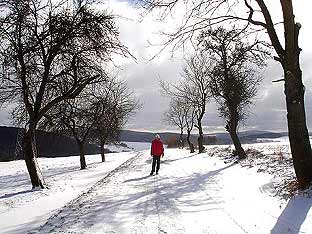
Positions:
(157, 150)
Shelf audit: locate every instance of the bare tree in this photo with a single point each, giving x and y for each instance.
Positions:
(49, 53)
(182, 114)
(197, 73)
(190, 116)
(204, 14)
(97, 114)
(235, 80)
(175, 115)
(76, 116)
(107, 125)
(117, 103)
(194, 88)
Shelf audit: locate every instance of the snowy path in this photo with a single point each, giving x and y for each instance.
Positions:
(193, 194)
(23, 209)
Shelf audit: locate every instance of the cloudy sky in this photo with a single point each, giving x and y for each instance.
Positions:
(268, 112)
(143, 75)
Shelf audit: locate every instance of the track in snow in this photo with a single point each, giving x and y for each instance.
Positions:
(193, 194)
(125, 201)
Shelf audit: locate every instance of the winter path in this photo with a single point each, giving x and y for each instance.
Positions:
(193, 194)
(23, 209)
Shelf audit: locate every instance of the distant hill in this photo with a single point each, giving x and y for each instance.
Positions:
(249, 136)
(52, 145)
(216, 138)
(48, 145)
(254, 136)
(135, 136)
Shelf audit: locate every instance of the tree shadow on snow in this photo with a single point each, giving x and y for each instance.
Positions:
(166, 159)
(9, 183)
(177, 159)
(293, 216)
(23, 227)
(156, 194)
(16, 193)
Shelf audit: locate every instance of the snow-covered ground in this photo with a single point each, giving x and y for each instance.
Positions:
(283, 139)
(22, 208)
(139, 145)
(194, 193)
(131, 146)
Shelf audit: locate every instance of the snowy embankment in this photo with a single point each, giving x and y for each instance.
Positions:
(22, 208)
(194, 193)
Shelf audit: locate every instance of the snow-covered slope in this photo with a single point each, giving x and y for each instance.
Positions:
(194, 193)
(22, 208)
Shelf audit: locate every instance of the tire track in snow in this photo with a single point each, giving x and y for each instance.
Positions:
(71, 212)
(105, 208)
(209, 189)
(235, 221)
(214, 191)
(209, 193)
(128, 201)
(160, 214)
(169, 216)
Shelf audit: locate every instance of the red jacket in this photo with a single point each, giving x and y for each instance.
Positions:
(157, 148)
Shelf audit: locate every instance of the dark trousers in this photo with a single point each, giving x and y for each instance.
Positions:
(156, 160)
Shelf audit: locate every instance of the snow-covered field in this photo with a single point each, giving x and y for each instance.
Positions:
(132, 146)
(194, 193)
(22, 208)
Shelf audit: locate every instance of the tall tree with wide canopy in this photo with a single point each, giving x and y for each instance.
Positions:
(75, 118)
(50, 51)
(258, 15)
(235, 77)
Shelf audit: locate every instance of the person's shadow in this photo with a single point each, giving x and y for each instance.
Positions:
(136, 179)
(293, 216)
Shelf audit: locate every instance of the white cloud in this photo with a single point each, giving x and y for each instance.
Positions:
(143, 75)
(269, 109)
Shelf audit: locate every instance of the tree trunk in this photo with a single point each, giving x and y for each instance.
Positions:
(200, 139)
(181, 139)
(102, 151)
(29, 148)
(189, 142)
(294, 91)
(297, 129)
(83, 164)
(200, 144)
(232, 129)
(238, 147)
